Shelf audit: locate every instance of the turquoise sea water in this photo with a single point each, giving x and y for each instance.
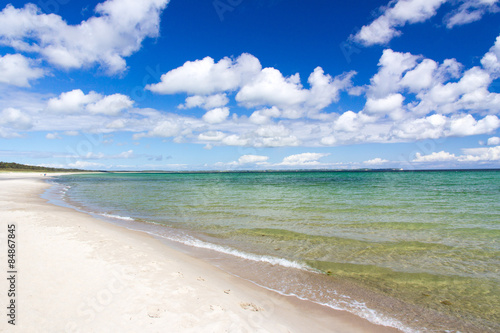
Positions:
(416, 250)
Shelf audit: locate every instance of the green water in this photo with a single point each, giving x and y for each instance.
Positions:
(431, 239)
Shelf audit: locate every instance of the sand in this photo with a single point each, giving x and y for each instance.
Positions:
(76, 273)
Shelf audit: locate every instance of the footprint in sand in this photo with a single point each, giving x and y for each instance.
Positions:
(250, 306)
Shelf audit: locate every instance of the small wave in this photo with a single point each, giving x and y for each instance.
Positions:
(113, 216)
(190, 241)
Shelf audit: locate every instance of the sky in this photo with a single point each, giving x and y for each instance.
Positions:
(250, 84)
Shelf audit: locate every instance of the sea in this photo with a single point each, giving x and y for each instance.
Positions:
(414, 250)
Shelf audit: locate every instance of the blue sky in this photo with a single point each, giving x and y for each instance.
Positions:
(240, 84)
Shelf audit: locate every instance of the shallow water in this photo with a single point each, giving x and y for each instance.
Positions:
(414, 250)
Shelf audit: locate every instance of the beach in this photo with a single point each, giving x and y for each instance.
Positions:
(76, 273)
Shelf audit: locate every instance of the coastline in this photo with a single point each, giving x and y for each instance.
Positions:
(77, 273)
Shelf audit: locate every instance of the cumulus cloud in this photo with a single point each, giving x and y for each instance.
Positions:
(401, 12)
(15, 119)
(269, 87)
(216, 116)
(467, 125)
(53, 136)
(490, 154)
(481, 154)
(76, 101)
(205, 102)
(304, 159)
(115, 32)
(384, 28)
(350, 121)
(493, 141)
(264, 116)
(391, 105)
(325, 89)
(376, 161)
(435, 157)
(110, 105)
(392, 66)
(205, 77)
(252, 159)
(491, 60)
(18, 70)
(164, 128)
(471, 11)
(434, 87)
(212, 136)
(209, 82)
(85, 165)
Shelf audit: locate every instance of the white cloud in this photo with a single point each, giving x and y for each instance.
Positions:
(76, 101)
(206, 80)
(493, 141)
(304, 159)
(212, 136)
(431, 86)
(490, 154)
(252, 159)
(491, 60)
(435, 157)
(126, 154)
(15, 119)
(431, 127)
(264, 116)
(85, 165)
(480, 154)
(383, 29)
(351, 122)
(467, 125)
(438, 126)
(216, 116)
(111, 105)
(390, 105)
(401, 12)
(471, 11)
(325, 89)
(269, 87)
(166, 128)
(205, 77)
(18, 70)
(235, 140)
(205, 102)
(392, 65)
(376, 161)
(328, 141)
(53, 136)
(116, 32)
(421, 77)
(71, 101)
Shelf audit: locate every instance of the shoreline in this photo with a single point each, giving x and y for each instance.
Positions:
(78, 273)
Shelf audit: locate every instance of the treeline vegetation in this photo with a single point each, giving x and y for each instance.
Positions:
(4, 166)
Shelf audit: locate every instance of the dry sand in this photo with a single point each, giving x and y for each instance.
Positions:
(76, 273)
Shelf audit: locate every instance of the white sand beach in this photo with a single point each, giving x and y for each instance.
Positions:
(76, 273)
